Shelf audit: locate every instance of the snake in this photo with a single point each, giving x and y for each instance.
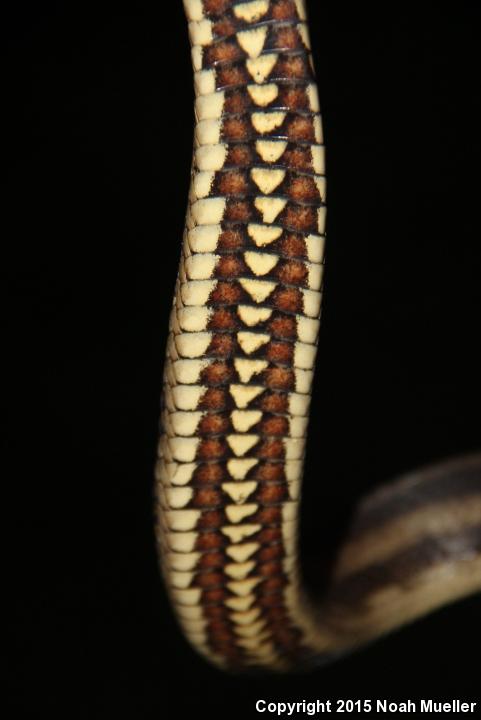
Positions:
(238, 374)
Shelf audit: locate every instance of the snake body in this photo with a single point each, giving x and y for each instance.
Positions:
(240, 360)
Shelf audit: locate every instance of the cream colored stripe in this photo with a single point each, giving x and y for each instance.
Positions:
(434, 519)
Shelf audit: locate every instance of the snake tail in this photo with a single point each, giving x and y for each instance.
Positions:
(240, 362)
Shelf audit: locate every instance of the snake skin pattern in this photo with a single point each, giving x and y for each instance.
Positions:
(242, 346)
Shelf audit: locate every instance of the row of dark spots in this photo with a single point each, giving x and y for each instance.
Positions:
(226, 323)
(220, 373)
(267, 563)
(215, 519)
(279, 326)
(226, 346)
(216, 448)
(214, 560)
(213, 424)
(221, 630)
(219, 398)
(238, 183)
(212, 498)
(292, 98)
(222, 639)
(279, 629)
(288, 68)
(298, 218)
(211, 538)
(232, 266)
(271, 573)
(214, 473)
(296, 128)
(285, 272)
(269, 593)
(287, 640)
(289, 245)
(226, 22)
(283, 299)
(279, 38)
(297, 158)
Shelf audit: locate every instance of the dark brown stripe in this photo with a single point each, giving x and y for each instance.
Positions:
(455, 478)
(399, 570)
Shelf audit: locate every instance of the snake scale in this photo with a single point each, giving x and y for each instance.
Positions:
(240, 360)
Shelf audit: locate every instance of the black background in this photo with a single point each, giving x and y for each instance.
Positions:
(98, 103)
